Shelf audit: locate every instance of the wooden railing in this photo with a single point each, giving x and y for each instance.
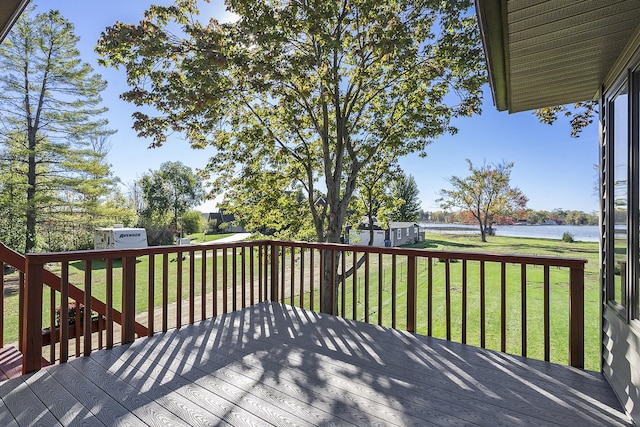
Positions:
(18, 262)
(468, 297)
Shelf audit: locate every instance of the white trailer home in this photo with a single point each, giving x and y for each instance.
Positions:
(120, 238)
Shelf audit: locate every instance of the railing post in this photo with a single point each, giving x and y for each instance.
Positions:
(128, 299)
(412, 286)
(275, 254)
(576, 317)
(32, 324)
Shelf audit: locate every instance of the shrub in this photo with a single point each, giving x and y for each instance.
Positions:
(192, 222)
(72, 314)
(567, 237)
(160, 236)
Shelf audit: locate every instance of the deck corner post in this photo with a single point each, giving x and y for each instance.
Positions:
(412, 286)
(275, 254)
(576, 317)
(128, 299)
(32, 324)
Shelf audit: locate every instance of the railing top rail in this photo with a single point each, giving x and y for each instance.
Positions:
(458, 255)
(424, 253)
(42, 258)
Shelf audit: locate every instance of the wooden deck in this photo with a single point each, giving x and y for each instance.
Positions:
(277, 365)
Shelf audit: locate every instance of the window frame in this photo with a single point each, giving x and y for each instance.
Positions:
(610, 132)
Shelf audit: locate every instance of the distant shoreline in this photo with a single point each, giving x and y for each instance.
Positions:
(580, 233)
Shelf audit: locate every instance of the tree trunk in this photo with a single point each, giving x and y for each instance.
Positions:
(31, 214)
(483, 231)
(330, 276)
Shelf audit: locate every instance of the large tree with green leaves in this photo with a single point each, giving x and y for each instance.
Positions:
(485, 193)
(311, 91)
(49, 110)
(170, 192)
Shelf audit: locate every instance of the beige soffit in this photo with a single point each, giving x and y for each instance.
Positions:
(542, 53)
(10, 11)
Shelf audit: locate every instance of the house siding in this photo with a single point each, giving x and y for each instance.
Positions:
(621, 359)
(620, 186)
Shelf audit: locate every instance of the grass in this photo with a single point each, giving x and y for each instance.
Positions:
(382, 303)
(375, 305)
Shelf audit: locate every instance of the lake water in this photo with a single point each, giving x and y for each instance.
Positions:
(581, 233)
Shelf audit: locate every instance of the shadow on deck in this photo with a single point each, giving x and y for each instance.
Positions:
(275, 364)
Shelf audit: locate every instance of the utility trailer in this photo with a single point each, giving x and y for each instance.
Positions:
(118, 237)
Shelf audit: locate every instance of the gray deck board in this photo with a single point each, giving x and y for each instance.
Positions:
(277, 365)
(63, 405)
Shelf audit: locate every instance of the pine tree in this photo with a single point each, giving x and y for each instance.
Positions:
(50, 110)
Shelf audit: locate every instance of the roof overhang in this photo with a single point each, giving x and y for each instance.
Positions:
(10, 11)
(552, 52)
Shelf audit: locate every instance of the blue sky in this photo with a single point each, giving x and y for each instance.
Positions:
(551, 168)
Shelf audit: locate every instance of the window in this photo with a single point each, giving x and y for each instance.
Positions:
(399, 233)
(619, 124)
(407, 231)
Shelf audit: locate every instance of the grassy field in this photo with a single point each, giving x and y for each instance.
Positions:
(559, 295)
(375, 304)
(371, 304)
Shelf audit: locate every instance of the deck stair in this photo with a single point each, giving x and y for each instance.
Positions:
(11, 363)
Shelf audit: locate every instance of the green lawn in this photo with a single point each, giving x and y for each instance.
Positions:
(559, 294)
(368, 303)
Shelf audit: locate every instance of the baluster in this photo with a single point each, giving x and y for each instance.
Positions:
(366, 287)
(203, 285)
(483, 317)
(547, 345)
(343, 290)
(380, 296)
(150, 297)
(464, 301)
(21, 291)
(523, 307)
(393, 291)
(412, 288)
(214, 279)
(52, 326)
(429, 296)
(243, 280)
(234, 277)
(503, 307)
(312, 282)
(275, 255)
(224, 280)
(292, 274)
(87, 308)
(301, 277)
(128, 299)
(354, 303)
(179, 291)
(252, 276)
(165, 292)
(282, 275)
(64, 312)
(192, 287)
(447, 297)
